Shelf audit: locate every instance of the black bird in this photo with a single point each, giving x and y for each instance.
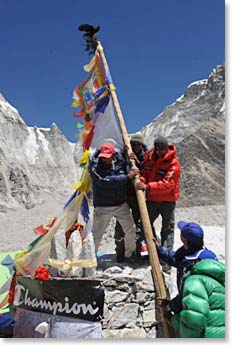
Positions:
(90, 37)
(89, 29)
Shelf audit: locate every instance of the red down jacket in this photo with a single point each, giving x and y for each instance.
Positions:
(161, 175)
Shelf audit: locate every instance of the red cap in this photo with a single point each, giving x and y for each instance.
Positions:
(107, 151)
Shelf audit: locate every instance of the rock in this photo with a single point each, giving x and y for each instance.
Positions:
(149, 305)
(141, 297)
(147, 283)
(152, 333)
(115, 296)
(113, 270)
(127, 271)
(149, 318)
(110, 283)
(124, 333)
(126, 315)
(124, 287)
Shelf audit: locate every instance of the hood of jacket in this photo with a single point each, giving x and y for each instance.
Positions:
(211, 268)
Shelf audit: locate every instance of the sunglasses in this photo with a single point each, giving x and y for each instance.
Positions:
(160, 148)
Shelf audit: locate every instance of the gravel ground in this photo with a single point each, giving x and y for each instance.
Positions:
(17, 226)
(211, 218)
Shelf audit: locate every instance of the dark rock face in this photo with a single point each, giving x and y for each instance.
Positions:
(202, 158)
(195, 123)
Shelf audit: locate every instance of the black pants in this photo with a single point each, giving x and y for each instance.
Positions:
(167, 211)
(119, 234)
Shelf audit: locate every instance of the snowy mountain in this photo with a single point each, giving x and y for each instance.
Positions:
(202, 101)
(33, 161)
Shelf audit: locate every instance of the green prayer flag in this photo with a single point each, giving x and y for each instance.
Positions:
(79, 125)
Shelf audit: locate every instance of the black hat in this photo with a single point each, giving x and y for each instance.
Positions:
(160, 143)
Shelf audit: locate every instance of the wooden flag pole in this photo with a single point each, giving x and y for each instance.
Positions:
(151, 246)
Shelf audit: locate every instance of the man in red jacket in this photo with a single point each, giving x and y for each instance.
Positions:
(160, 178)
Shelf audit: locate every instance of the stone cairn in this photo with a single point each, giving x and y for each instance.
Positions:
(129, 310)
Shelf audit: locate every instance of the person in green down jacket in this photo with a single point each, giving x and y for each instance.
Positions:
(203, 314)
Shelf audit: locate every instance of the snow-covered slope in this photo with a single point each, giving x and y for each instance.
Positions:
(32, 161)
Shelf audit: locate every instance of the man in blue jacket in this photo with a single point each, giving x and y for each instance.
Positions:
(192, 237)
(110, 174)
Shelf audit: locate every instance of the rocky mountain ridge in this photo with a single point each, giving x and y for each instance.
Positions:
(202, 101)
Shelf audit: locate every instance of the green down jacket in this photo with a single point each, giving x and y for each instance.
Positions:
(203, 314)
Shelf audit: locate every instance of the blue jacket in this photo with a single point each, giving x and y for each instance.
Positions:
(109, 183)
(177, 259)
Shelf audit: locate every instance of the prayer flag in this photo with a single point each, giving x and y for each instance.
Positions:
(96, 108)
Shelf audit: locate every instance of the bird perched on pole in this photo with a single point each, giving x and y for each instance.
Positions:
(90, 37)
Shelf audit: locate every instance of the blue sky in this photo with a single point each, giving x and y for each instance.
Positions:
(155, 49)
